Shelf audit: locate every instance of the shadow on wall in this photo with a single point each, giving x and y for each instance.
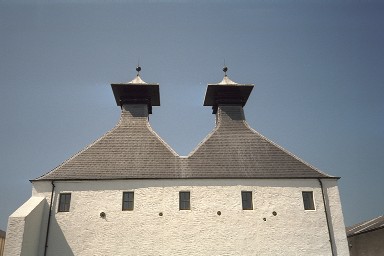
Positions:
(136, 184)
(57, 243)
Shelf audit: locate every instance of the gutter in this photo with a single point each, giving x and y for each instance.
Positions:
(49, 219)
(327, 217)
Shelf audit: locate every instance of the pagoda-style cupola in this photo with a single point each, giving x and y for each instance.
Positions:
(227, 92)
(137, 92)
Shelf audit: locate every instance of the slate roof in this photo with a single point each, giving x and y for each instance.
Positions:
(366, 226)
(234, 150)
(132, 150)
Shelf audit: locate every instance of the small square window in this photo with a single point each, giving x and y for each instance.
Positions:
(308, 200)
(184, 200)
(246, 197)
(128, 201)
(64, 202)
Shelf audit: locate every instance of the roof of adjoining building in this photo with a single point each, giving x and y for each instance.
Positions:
(132, 150)
(2, 233)
(366, 226)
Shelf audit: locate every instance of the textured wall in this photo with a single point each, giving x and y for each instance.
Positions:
(336, 219)
(199, 231)
(24, 228)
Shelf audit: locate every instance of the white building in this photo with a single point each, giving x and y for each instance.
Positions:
(129, 193)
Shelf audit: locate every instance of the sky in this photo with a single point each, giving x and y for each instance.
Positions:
(317, 66)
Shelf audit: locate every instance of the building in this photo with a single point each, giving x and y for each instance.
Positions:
(129, 193)
(2, 242)
(367, 238)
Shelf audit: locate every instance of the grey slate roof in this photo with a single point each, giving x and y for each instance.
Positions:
(234, 150)
(366, 226)
(132, 150)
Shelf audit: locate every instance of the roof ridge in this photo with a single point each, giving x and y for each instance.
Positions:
(161, 140)
(206, 138)
(286, 151)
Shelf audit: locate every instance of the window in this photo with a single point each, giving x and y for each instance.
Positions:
(128, 199)
(64, 202)
(246, 197)
(308, 200)
(184, 200)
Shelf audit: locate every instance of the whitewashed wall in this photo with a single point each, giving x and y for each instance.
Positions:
(24, 227)
(200, 231)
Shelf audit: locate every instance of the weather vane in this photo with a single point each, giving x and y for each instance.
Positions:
(225, 69)
(138, 68)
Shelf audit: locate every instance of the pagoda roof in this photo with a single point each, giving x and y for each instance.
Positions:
(133, 150)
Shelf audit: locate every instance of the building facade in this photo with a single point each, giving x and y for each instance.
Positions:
(129, 193)
(366, 238)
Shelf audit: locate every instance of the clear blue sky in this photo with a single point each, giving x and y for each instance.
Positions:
(317, 66)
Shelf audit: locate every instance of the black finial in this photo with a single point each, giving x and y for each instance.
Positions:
(225, 69)
(138, 69)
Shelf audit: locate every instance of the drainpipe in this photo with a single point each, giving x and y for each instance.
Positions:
(327, 218)
(49, 219)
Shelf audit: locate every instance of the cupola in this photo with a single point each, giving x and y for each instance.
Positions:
(227, 92)
(137, 92)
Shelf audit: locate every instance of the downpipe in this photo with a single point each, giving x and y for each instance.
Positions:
(49, 219)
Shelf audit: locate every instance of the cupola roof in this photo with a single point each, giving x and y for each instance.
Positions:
(137, 92)
(227, 92)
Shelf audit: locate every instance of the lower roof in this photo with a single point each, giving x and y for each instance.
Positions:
(366, 226)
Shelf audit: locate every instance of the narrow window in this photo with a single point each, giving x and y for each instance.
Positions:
(246, 197)
(184, 200)
(64, 202)
(128, 200)
(308, 200)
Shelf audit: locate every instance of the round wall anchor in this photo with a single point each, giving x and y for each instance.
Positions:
(102, 215)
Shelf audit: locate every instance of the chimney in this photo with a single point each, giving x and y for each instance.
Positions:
(227, 99)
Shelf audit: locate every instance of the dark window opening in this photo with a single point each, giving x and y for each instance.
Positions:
(184, 200)
(64, 202)
(128, 201)
(246, 197)
(308, 200)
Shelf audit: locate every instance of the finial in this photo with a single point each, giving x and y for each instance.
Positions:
(225, 69)
(138, 69)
